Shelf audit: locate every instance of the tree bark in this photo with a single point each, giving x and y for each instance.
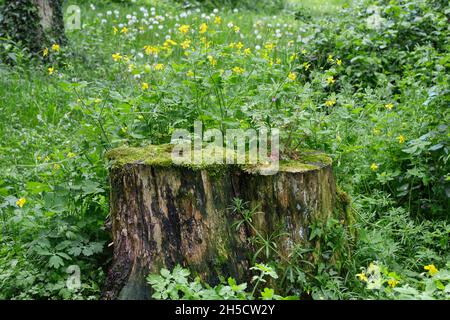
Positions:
(163, 215)
(34, 23)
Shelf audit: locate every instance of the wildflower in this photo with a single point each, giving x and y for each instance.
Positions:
(247, 51)
(115, 30)
(203, 28)
(21, 202)
(374, 167)
(389, 106)
(338, 62)
(217, 20)
(239, 45)
(237, 29)
(306, 65)
(362, 277)
(184, 28)
(269, 46)
(190, 73)
(303, 51)
(293, 57)
(56, 47)
(238, 70)
(168, 43)
(330, 102)
(45, 52)
(70, 155)
(56, 166)
(144, 86)
(431, 268)
(186, 44)
(376, 131)
(116, 57)
(330, 80)
(151, 50)
(212, 60)
(51, 70)
(392, 283)
(401, 139)
(292, 76)
(124, 30)
(159, 66)
(330, 58)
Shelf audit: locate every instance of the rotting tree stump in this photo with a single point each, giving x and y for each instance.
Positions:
(164, 214)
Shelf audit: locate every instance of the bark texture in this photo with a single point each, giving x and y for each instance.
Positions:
(163, 215)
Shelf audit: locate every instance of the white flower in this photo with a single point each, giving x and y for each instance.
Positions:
(257, 47)
(230, 25)
(109, 12)
(235, 10)
(216, 10)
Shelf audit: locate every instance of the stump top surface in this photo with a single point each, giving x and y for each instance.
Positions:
(161, 156)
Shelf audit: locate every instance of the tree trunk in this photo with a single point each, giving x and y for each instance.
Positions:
(163, 215)
(34, 23)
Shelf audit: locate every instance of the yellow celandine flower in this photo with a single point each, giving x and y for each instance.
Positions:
(431, 268)
(292, 76)
(330, 80)
(124, 30)
(144, 86)
(169, 42)
(150, 50)
(186, 44)
(51, 70)
(401, 139)
(392, 283)
(116, 57)
(70, 155)
(239, 45)
(45, 52)
(306, 65)
(190, 73)
(159, 66)
(115, 30)
(21, 202)
(217, 20)
(212, 60)
(362, 277)
(330, 102)
(56, 47)
(338, 62)
(269, 46)
(330, 58)
(184, 28)
(374, 167)
(389, 106)
(247, 51)
(203, 28)
(237, 29)
(232, 45)
(293, 57)
(238, 70)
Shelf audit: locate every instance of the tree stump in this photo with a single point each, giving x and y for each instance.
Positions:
(164, 214)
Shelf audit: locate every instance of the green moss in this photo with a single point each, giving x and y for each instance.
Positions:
(160, 155)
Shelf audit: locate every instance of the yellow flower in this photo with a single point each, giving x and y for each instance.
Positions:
(217, 20)
(184, 28)
(144, 86)
(124, 30)
(376, 131)
(374, 167)
(56, 166)
(168, 43)
(362, 276)
(389, 106)
(338, 62)
(238, 70)
(159, 66)
(330, 80)
(401, 139)
(292, 76)
(392, 283)
(51, 70)
(115, 30)
(151, 50)
(247, 51)
(293, 57)
(55, 47)
(21, 202)
(212, 60)
(116, 57)
(303, 51)
(306, 65)
(330, 58)
(45, 52)
(70, 155)
(190, 73)
(237, 29)
(269, 46)
(186, 44)
(330, 102)
(239, 45)
(203, 28)
(432, 270)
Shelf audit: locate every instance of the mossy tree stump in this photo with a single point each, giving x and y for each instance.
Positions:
(165, 214)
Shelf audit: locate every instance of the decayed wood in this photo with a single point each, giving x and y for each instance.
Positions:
(163, 215)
